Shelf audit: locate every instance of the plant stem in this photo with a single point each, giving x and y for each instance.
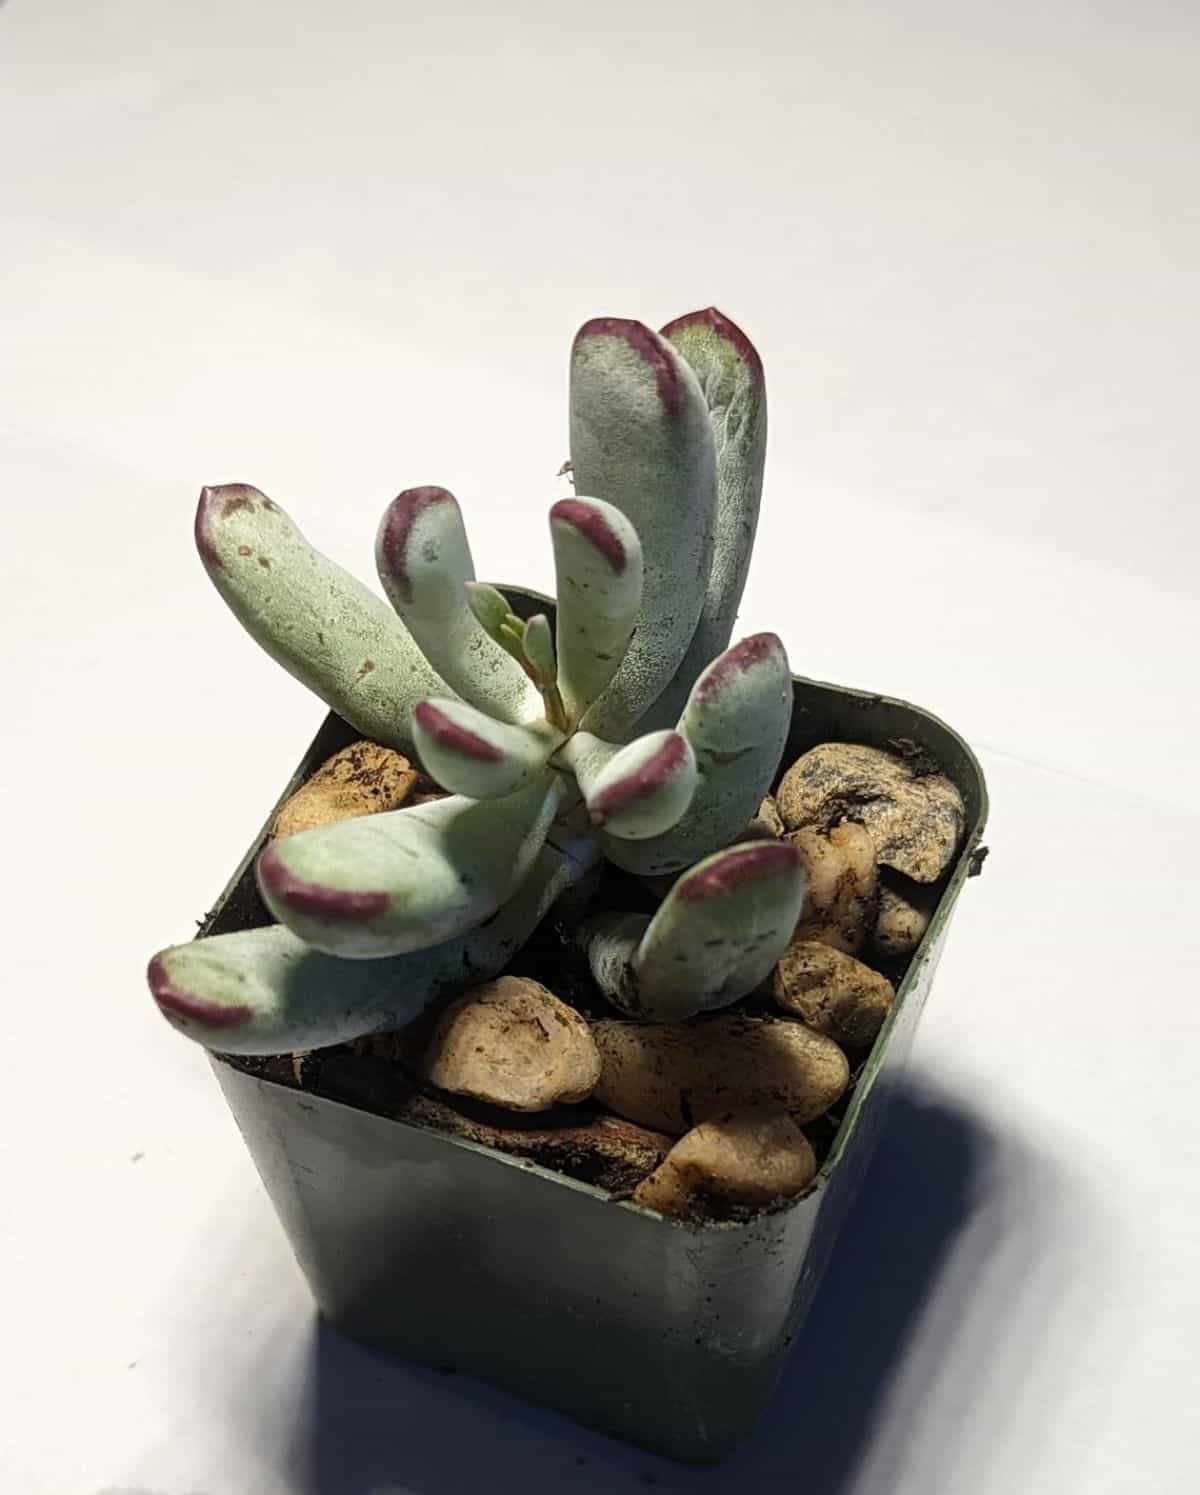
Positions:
(556, 711)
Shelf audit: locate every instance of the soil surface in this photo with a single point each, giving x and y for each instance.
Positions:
(581, 1141)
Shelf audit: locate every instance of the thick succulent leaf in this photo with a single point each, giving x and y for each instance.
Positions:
(610, 941)
(719, 931)
(424, 563)
(538, 649)
(730, 373)
(468, 753)
(406, 879)
(714, 939)
(264, 991)
(642, 789)
(736, 720)
(598, 565)
(313, 618)
(641, 440)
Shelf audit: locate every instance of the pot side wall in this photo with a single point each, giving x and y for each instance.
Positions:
(668, 1335)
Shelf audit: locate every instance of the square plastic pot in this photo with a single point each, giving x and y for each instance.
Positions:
(435, 1249)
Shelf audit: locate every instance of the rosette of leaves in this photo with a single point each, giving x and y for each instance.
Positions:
(531, 728)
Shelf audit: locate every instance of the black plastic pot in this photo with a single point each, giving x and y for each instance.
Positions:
(445, 1252)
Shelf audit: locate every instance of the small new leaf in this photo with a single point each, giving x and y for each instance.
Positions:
(539, 650)
(489, 606)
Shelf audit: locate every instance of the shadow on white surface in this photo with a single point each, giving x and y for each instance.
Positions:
(890, 1303)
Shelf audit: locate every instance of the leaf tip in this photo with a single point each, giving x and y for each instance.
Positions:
(202, 530)
(281, 885)
(725, 328)
(738, 660)
(184, 1008)
(396, 527)
(592, 524)
(738, 867)
(443, 730)
(221, 501)
(649, 778)
(648, 346)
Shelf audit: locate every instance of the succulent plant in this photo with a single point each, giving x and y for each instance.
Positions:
(531, 728)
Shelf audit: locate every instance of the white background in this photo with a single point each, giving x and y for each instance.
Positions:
(340, 249)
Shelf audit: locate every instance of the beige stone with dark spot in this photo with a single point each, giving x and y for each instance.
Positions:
(841, 891)
(914, 819)
(737, 1161)
(671, 1076)
(606, 1151)
(513, 1044)
(362, 779)
(832, 992)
